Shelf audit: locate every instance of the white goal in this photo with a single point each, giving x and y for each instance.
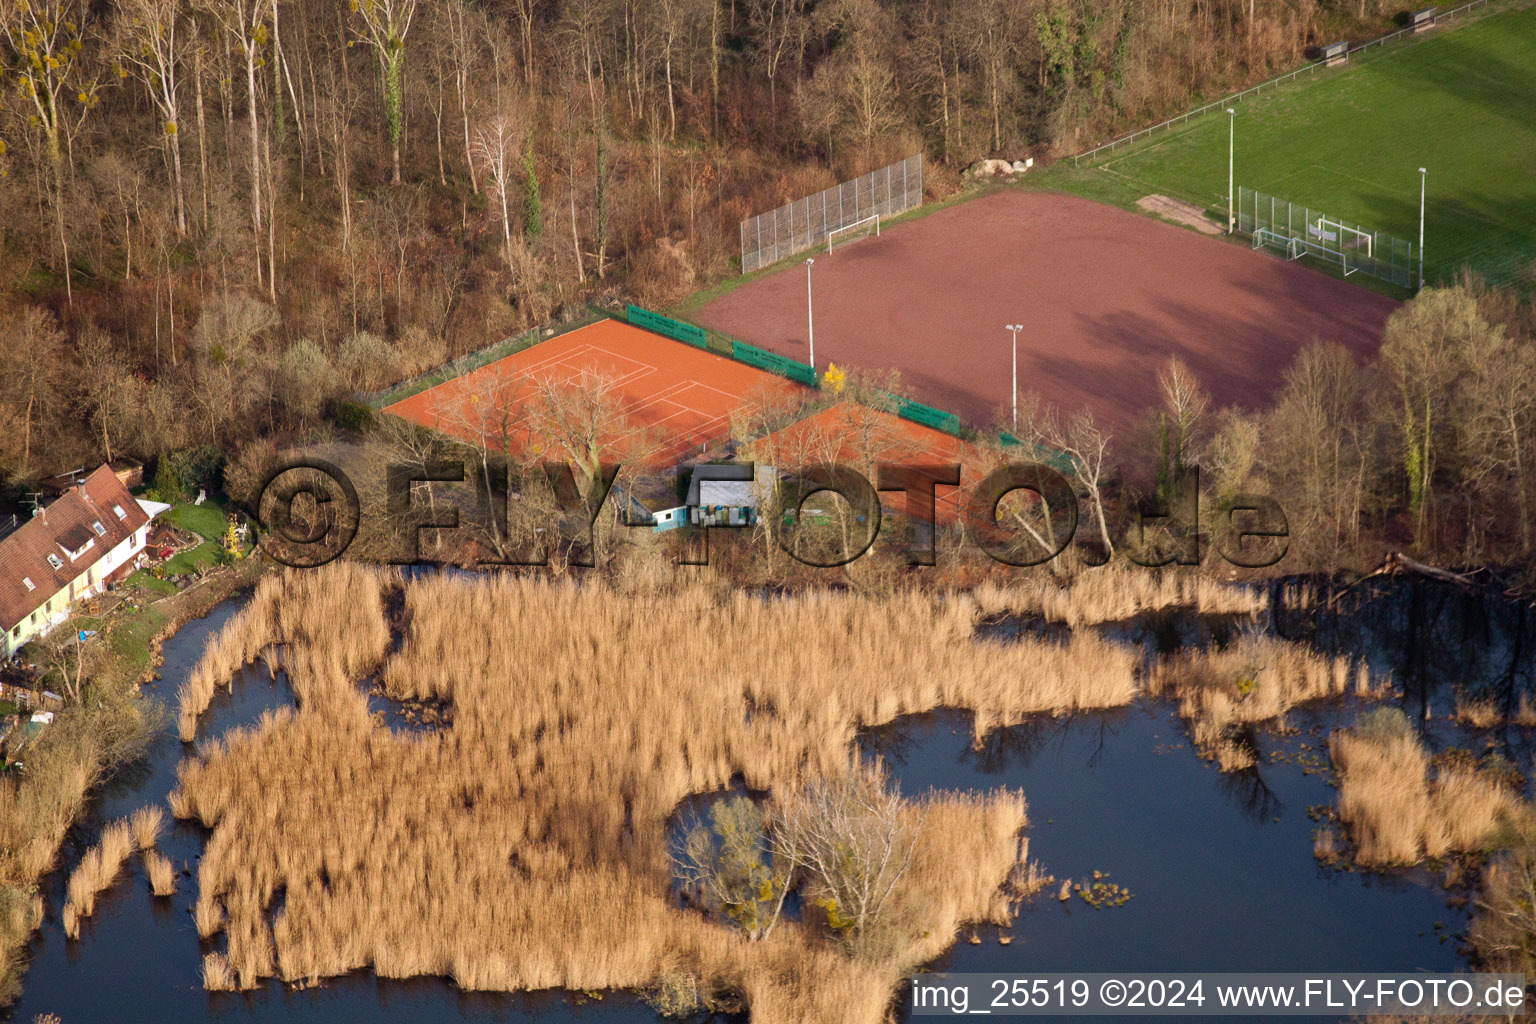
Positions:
(858, 229)
(1292, 248)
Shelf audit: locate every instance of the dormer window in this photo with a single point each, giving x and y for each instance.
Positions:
(29, 584)
(54, 561)
(100, 531)
(117, 510)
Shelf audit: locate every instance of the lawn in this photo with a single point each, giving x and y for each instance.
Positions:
(1350, 142)
(205, 520)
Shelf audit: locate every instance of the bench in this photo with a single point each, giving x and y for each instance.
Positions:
(1422, 21)
(1336, 54)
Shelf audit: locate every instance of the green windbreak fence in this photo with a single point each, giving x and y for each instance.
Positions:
(674, 329)
(1059, 461)
(772, 362)
(928, 416)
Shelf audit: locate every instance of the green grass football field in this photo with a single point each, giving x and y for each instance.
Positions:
(1349, 141)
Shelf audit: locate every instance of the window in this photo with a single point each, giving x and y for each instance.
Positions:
(101, 531)
(117, 510)
(54, 561)
(28, 581)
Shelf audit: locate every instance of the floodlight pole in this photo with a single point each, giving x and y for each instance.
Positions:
(810, 323)
(1231, 165)
(1015, 329)
(1423, 185)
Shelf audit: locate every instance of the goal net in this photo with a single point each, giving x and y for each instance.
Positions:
(1294, 231)
(1290, 248)
(853, 232)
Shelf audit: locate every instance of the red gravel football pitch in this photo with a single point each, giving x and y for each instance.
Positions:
(1105, 297)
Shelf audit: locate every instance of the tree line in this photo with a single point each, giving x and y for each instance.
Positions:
(217, 214)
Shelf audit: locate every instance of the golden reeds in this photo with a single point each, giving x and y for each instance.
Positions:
(1253, 679)
(1114, 593)
(146, 823)
(1396, 812)
(524, 846)
(95, 873)
(217, 977)
(161, 873)
(341, 603)
(1478, 712)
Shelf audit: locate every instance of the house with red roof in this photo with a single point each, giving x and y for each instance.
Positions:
(69, 551)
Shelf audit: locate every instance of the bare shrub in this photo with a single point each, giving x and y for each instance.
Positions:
(856, 840)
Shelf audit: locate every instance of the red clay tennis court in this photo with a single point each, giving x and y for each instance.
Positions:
(862, 437)
(682, 395)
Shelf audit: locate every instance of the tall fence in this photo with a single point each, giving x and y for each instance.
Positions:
(1301, 230)
(1237, 97)
(804, 223)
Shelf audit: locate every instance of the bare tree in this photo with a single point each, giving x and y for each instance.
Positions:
(1317, 443)
(990, 28)
(496, 144)
(1423, 352)
(1497, 421)
(45, 39)
(243, 23)
(151, 46)
(29, 351)
(1184, 401)
(386, 24)
(583, 420)
(856, 838)
(1081, 445)
(777, 30)
(731, 867)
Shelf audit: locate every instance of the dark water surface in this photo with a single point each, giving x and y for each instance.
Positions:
(1221, 865)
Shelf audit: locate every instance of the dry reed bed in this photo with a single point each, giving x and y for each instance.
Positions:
(146, 824)
(1114, 593)
(1396, 813)
(291, 608)
(523, 847)
(95, 873)
(1253, 679)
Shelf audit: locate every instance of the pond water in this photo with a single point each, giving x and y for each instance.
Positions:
(1221, 866)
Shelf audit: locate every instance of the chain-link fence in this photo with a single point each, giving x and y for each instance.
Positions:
(804, 223)
(1299, 230)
